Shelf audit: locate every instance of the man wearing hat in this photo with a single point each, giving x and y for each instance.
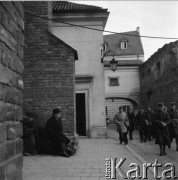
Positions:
(173, 126)
(54, 132)
(162, 121)
(152, 126)
(173, 112)
(122, 123)
(131, 118)
(143, 121)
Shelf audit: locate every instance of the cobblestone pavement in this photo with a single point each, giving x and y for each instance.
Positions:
(89, 161)
(149, 151)
(87, 164)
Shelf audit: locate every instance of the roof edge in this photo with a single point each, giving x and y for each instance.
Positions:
(67, 6)
(64, 44)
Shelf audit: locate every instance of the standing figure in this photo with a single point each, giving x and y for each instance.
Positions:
(122, 123)
(173, 126)
(136, 113)
(162, 121)
(152, 125)
(143, 121)
(55, 134)
(29, 134)
(131, 118)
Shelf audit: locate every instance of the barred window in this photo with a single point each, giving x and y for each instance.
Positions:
(114, 81)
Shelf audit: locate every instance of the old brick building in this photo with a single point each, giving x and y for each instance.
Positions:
(49, 68)
(11, 67)
(159, 76)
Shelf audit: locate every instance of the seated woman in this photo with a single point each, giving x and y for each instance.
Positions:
(54, 131)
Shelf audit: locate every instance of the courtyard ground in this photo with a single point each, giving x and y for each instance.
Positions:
(89, 161)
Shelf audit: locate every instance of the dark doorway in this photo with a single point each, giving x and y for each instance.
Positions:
(80, 114)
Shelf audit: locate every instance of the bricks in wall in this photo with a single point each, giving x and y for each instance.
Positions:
(11, 68)
(161, 83)
(49, 69)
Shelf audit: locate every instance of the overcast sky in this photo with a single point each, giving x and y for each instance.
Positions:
(155, 18)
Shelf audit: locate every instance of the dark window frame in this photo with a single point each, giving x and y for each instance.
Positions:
(149, 71)
(125, 45)
(114, 83)
(158, 66)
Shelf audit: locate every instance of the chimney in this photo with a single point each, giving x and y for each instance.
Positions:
(34, 9)
(138, 29)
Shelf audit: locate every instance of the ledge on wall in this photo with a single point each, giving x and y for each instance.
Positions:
(83, 78)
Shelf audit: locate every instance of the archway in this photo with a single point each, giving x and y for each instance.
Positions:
(112, 105)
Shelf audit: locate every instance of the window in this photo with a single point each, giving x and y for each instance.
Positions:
(149, 94)
(126, 108)
(158, 66)
(123, 44)
(149, 71)
(106, 110)
(114, 81)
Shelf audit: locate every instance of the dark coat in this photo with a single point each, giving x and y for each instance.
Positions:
(162, 133)
(173, 126)
(152, 120)
(29, 135)
(152, 116)
(173, 113)
(54, 130)
(143, 120)
(131, 118)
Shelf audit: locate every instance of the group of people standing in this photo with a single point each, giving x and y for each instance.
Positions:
(160, 124)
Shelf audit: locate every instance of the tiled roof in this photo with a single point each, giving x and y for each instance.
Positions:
(125, 63)
(66, 6)
(134, 43)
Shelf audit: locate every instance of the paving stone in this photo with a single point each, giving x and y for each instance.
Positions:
(70, 178)
(89, 178)
(81, 174)
(91, 170)
(87, 164)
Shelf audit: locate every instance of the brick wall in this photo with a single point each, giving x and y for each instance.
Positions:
(49, 68)
(11, 67)
(159, 77)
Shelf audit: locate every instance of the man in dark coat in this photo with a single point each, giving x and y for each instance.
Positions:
(152, 125)
(162, 121)
(143, 121)
(54, 131)
(173, 126)
(131, 118)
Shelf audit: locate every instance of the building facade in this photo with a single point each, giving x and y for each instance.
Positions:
(89, 71)
(159, 77)
(11, 85)
(49, 68)
(122, 87)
